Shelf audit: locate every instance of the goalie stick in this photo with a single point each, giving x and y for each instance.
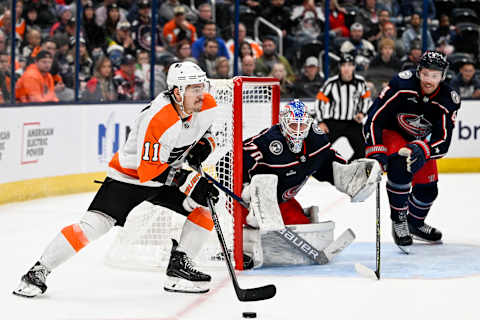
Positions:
(360, 268)
(252, 294)
(294, 239)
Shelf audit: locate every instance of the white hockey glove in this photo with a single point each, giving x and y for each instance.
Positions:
(261, 194)
(357, 179)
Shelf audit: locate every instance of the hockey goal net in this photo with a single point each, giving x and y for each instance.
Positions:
(246, 106)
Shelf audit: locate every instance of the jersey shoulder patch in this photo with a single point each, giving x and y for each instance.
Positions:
(276, 147)
(316, 128)
(407, 74)
(455, 97)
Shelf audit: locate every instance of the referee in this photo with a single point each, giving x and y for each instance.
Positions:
(341, 106)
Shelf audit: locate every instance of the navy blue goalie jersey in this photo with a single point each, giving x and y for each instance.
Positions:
(268, 153)
(403, 108)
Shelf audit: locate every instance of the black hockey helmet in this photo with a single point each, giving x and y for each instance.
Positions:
(346, 57)
(435, 60)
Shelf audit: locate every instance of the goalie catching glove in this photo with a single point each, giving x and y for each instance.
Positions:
(195, 186)
(357, 179)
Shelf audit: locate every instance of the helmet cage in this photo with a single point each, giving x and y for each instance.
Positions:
(295, 123)
(433, 60)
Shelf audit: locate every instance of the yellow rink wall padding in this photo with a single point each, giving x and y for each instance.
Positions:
(51, 186)
(76, 183)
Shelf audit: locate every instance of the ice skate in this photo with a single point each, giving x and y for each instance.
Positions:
(425, 233)
(182, 275)
(401, 234)
(32, 283)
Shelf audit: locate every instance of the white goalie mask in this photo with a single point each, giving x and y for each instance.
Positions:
(295, 123)
(183, 74)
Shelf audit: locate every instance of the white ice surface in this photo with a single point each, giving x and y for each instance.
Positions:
(84, 288)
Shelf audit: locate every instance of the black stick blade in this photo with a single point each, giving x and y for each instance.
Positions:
(257, 294)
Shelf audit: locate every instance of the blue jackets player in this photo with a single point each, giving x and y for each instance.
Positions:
(409, 126)
(294, 150)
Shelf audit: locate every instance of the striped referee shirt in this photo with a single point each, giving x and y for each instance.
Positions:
(340, 100)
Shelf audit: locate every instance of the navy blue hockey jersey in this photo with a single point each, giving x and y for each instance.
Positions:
(401, 107)
(268, 153)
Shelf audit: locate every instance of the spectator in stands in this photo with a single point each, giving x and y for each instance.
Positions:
(127, 85)
(409, 7)
(3, 42)
(6, 29)
(337, 20)
(101, 13)
(31, 17)
(414, 32)
(245, 50)
(204, 15)
(362, 49)
(167, 11)
(4, 78)
(383, 17)
(141, 28)
(46, 15)
(307, 20)
(368, 17)
(222, 68)
(20, 24)
(413, 57)
(113, 18)
(389, 31)
(466, 82)
(242, 37)
(209, 31)
(207, 58)
(123, 38)
(179, 29)
(286, 86)
(310, 82)
(165, 61)
(36, 84)
(278, 14)
(94, 35)
(100, 87)
(393, 10)
(64, 63)
(445, 31)
(248, 66)
(184, 50)
(86, 63)
(32, 43)
(64, 15)
(264, 64)
(384, 66)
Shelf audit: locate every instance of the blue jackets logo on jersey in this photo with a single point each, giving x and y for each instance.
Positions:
(414, 124)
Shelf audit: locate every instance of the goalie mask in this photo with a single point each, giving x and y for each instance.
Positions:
(295, 124)
(183, 74)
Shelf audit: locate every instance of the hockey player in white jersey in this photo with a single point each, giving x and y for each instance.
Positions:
(172, 129)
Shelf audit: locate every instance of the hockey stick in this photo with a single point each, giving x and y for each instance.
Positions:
(294, 239)
(252, 294)
(360, 268)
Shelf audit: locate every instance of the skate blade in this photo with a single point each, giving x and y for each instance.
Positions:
(427, 241)
(404, 249)
(173, 284)
(27, 290)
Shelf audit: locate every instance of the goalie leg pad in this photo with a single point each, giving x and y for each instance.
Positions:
(264, 203)
(357, 179)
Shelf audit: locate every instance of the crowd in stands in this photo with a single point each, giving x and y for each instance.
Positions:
(385, 36)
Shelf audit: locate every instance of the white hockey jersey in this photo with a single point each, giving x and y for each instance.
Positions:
(159, 139)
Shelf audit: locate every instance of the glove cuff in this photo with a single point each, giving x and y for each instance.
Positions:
(425, 147)
(378, 148)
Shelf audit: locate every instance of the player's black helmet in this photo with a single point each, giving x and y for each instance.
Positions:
(434, 60)
(346, 57)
